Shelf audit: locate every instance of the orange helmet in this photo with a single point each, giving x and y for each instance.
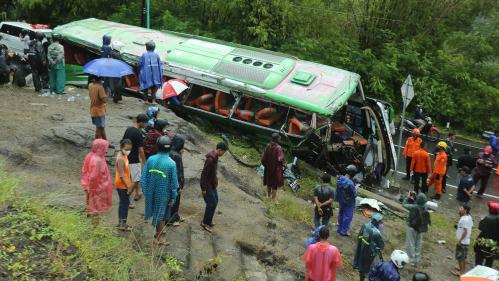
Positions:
(487, 149)
(416, 131)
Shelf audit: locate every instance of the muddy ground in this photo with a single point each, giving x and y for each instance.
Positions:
(47, 153)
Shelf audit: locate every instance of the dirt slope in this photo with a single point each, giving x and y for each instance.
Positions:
(48, 153)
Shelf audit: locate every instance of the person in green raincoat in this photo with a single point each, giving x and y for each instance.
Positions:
(57, 74)
(369, 245)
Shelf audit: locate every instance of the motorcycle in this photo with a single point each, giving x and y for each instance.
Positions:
(427, 129)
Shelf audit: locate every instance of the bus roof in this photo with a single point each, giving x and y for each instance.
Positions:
(282, 78)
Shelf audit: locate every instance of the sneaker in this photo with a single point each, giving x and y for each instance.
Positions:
(175, 224)
(206, 227)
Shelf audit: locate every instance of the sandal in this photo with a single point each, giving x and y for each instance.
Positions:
(125, 227)
(131, 206)
(137, 198)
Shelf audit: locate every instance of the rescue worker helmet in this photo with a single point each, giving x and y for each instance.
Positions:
(150, 45)
(416, 131)
(442, 144)
(420, 276)
(399, 258)
(106, 39)
(164, 143)
(487, 149)
(351, 170)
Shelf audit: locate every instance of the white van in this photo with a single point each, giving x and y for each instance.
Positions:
(9, 31)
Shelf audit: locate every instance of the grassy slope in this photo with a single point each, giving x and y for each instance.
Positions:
(108, 256)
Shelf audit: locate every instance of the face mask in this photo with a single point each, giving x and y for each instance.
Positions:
(381, 226)
(126, 152)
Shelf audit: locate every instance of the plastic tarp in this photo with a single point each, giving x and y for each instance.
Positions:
(480, 273)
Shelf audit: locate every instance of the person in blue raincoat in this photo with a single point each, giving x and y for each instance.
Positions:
(345, 195)
(389, 270)
(159, 185)
(150, 72)
(369, 245)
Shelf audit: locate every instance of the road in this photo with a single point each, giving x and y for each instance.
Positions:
(492, 190)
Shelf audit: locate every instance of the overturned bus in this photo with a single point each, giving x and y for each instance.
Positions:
(321, 111)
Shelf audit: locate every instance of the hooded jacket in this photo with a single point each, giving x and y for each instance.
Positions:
(151, 70)
(177, 145)
(420, 203)
(209, 180)
(369, 245)
(384, 271)
(96, 179)
(345, 191)
(484, 164)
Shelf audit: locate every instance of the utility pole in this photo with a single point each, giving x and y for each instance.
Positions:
(148, 13)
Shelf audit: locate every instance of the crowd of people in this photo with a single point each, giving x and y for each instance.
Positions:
(149, 165)
(473, 170)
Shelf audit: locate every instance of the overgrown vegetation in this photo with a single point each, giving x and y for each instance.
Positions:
(448, 46)
(106, 255)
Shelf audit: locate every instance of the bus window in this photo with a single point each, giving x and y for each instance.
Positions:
(271, 116)
(299, 123)
(246, 109)
(202, 98)
(223, 103)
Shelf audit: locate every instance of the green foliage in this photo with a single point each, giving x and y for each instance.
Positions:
(448, 46)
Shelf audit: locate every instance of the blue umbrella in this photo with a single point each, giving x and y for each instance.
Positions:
(106, 67)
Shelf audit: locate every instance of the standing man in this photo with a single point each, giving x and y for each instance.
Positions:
(439, 170)
(322, 259)
(176, 155)
(37, 60)
(57, 74)
(466, 186)
(489, 229)
(209, 183)
(421, 166)
(159, 180)
(466, 160)
(484, 164)
(98, 105)
(151, 72)
(369, 245)
(463, 237)
(417, 222)
(274, 163)
(389, 270)
(323, 199)
(450, 153)
(411, 145)
(494, 143)
(24, 36)
(345, 195)
(137, 156)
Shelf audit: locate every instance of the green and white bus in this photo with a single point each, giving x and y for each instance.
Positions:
(321, 111)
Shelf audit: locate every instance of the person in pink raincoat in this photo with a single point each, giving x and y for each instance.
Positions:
(322, 259)
(96, 180)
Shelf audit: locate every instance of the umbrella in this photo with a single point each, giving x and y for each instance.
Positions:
(107, 67)
(171, 88)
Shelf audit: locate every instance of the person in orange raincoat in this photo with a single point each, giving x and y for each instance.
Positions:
(411, 145)
(421, 167)
(439, 170)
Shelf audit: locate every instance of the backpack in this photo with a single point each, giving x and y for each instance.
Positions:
(420, 220)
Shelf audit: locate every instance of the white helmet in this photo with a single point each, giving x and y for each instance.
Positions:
(399, 258)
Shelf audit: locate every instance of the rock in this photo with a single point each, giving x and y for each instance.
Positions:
(79, 136)
(57, 117)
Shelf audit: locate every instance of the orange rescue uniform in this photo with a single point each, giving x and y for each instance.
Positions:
(411, 146)
(439, 168)
(421, 162)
